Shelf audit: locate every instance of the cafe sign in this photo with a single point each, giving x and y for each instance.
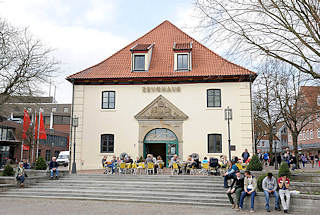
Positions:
(161, 89)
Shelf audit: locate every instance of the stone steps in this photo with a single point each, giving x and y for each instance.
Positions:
(191, 190)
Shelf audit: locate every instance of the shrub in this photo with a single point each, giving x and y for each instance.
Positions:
(259, 181)
(41, 164)
(254, 164)
(284, 169)
(8, 171)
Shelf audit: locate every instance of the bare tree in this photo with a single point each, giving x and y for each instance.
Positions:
(298, 106)
(25, 63)
(287, 30)
(266, 106)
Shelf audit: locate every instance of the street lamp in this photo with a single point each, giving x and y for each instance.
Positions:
(228, 117)
(74, 125)
(274, 131)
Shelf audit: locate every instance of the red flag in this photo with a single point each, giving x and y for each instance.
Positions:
(42, 130)
(25, 147)
(36, 128)
(26, 124)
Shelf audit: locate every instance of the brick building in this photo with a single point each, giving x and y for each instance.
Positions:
(309, 137)
(57, 131)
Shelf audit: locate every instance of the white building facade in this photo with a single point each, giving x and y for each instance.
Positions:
(158, 111)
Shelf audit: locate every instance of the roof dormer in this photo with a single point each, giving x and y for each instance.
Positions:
(141, 57)
(182, 56)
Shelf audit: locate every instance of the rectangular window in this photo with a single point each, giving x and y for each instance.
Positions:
(48, 155)
(54, 109)
(108, 99)
(39, 153)
(311, 134)
(214, 143)
(65, 110)
(107, 143)
(182, 62)
(319, 133)
(139, 63)
(214, 98)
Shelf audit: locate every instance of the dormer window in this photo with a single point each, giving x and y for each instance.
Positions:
(139, 62)
(182, 62)
(141, 57)
(182, 56)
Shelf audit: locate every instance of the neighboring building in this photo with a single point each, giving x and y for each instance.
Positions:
(8, 141)
(164, 94)
(309, 137)
(280, 138)
(57, 135)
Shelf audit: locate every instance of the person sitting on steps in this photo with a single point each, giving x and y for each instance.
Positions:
(230, 173)
(20, 175)
(250, 187)
(269, 186)
(53, 167)
(236, 187)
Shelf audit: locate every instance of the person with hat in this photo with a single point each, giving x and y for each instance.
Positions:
(236, 187)
(269, 186)
(284, 183)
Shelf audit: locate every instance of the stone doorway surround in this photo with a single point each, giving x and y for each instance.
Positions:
(160, 113)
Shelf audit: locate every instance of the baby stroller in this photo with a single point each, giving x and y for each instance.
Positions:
(214, 166)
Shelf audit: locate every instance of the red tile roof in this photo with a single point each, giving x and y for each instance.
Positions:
(182, 46)
(140, 47)
(205, 63)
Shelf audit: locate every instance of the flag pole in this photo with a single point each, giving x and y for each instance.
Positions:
(37, 156)
(34, 137)
(21, 151)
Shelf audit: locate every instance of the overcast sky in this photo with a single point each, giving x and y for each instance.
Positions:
(85, 32)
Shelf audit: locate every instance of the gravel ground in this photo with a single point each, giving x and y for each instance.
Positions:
(34, 206)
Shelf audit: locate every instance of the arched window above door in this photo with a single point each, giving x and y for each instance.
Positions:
(160, 134)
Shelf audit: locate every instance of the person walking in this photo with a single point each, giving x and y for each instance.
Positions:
(236, 187)
(303, 160)
(269, 186)
(245, 155)
(311, 159)
(284, 183)
(250, 187)
(266, 158)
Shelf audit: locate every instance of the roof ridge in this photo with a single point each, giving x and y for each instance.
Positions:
(166, 21)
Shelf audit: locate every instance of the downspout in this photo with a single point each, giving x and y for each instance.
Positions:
(252, 120)
(70, 135)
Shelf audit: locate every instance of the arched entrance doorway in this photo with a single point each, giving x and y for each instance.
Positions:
(161, 141)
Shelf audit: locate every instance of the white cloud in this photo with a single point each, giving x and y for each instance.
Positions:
(100, 11)
(76, 46)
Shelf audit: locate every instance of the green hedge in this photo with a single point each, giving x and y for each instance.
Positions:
(284, 169)
(259, 181)
(8, 171)
(41, 164)
(254, 164)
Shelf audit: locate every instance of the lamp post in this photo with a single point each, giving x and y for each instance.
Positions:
(274, 131)
(228, 117)
(74, 125)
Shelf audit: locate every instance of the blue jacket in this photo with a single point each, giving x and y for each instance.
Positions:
(53, 164)
(233, 170)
